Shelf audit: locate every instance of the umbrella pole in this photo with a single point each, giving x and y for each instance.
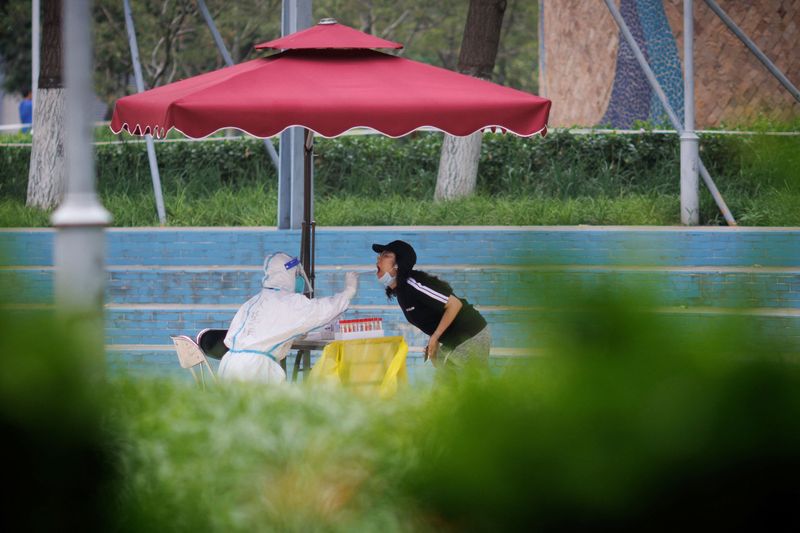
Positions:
(306, 239)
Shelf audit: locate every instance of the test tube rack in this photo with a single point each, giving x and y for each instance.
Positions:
(358, 328)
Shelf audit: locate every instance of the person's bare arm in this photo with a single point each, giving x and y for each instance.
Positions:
(451, 310)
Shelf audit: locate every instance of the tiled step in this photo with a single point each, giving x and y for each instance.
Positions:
(489, 286)
(162, 281)
(154, 324)
(162, 361)
(538, 245)
(512, 328)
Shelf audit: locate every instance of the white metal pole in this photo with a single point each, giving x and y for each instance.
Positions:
(155, 175)
(648, 72)
(35, 47)
(80, 220)
(673, 118)
(226, 56)
(690, 199)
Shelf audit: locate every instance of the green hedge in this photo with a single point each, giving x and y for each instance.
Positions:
(561, 165)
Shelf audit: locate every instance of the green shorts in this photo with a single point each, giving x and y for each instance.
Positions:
(473, 350)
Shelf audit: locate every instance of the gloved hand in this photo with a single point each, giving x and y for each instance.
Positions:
(351, 282)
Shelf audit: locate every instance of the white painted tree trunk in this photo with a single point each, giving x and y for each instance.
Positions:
(47, 168)
(458, 166)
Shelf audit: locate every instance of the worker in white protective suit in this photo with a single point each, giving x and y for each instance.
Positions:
(263, 329)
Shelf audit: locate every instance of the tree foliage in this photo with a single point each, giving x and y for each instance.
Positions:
(15, 45)
(174, 42)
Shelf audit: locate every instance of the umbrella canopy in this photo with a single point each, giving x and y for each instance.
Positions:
(329, 79)
(328, 34)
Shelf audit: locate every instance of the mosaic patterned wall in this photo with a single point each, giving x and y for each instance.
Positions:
(580, 53)
(732, 86)
(632, 99)
(592, 76)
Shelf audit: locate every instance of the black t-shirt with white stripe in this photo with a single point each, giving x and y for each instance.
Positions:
(422, 300)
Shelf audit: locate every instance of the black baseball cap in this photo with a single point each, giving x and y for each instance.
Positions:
(404, 254)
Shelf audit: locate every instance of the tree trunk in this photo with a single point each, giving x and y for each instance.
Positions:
(47, 166)
(46, 173)
(458, 166)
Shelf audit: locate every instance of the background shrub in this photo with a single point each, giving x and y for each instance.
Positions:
(561, 165)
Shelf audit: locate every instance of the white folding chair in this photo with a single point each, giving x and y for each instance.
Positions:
(190, 355)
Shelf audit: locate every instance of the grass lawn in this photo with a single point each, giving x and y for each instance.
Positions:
(578, 437)
(562, 178)
(253, 206)
(624, 422)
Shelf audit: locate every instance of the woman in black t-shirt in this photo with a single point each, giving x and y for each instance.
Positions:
(430, 304)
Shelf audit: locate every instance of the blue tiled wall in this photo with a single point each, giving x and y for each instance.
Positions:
(167, 281)
(446, 246)
(486, 286)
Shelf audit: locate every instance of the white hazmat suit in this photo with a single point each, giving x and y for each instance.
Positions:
(263, 329)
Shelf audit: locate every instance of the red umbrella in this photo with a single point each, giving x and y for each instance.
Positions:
(329, 91)
(329, 79)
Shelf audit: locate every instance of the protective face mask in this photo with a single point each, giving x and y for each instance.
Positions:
(387, 279)
(299, 285)
(301, 282)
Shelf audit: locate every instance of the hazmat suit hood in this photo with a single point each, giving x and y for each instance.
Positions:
(277, 272)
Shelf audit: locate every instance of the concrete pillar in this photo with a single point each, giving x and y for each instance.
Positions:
(80, 220)
(296, 16)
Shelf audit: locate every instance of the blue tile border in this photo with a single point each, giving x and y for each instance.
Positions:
(179, 280)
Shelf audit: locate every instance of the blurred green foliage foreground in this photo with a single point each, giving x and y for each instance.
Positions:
(626, 424)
